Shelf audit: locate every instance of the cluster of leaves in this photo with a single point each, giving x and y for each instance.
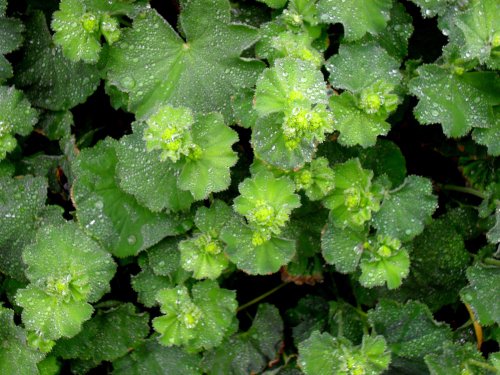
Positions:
(257, 141)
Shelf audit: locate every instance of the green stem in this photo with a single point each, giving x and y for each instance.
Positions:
(477, 363)
(492, 262)
(261, 297)
(463, 189)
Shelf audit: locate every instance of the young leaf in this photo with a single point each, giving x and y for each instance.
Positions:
(48, 78)
(357, 16)
(108, 336)
(152, 358)
(353, 199)
(410, 329)
(206, 168)
(175, 67)
(358, 66)
(250, 351)
(323, 354)
(50, 315)
(16, 357)
(482, 293)
(112, 216)
(406, 209)
(316, 179)
(198, 320)
(457, 102)
(68, 264)
(11, 36)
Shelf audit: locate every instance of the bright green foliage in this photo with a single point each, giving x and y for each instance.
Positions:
(357, 16)
(482, 293)
(456, 359)
(159, 190)
(294, 90)
(342, 247)
(79, 25)
(250, 351)
(164, 257)
(168, 130)
(16, 357)
(147, 284)
(206, 168)
(11, 36)
(316, 179)
(67, 270)
(154, 65)
(410, 329)
(22, 202)
(153, 358)
(204, 253)
(323, 354)
(476, 30)
(356, 126)
(430, 8)
(457, 101)
(354, 198)
(276, 4)
(16, 117)
(266, 202)
(109, 335)
(406, 209)
(50, 80)
(359, 66)
(384, 261)
(198, 319)
(112, 216)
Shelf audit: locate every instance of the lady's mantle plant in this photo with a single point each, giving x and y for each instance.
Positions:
(164, 164)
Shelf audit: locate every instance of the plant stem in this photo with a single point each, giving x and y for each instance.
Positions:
(492, 262)
(262, 296)
(463, 189)
(478, 330)
(481, 364)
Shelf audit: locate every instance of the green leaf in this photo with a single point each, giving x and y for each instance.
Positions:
(147, 284)
(48, 78)
(22, 201)
(152, 182)
(11, 30)
(164, 257)
(430, 8)
(275, 4)
(310, 314)
(316, 179)
(457, 102)
(206, 169)
(456, 359)
(68, 264)
(353, 199)
(357, 16)
(493, 234)
(481, 294)
(16, 117)
(489, 136)
(200, 72)
(203, 254)
(342, 247)
(122, 225)
(384, 262)
(356, 127)
(394, 38)
(250, 351)
(323, 354)
(410, 329)
(406, 209)
(261, 259)
(198, 321)
(50, 315)
(476, 31)
(358, 66)
(109, 335)
(153, 358)
(16, 357)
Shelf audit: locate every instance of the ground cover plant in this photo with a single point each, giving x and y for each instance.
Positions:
(249, 187)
